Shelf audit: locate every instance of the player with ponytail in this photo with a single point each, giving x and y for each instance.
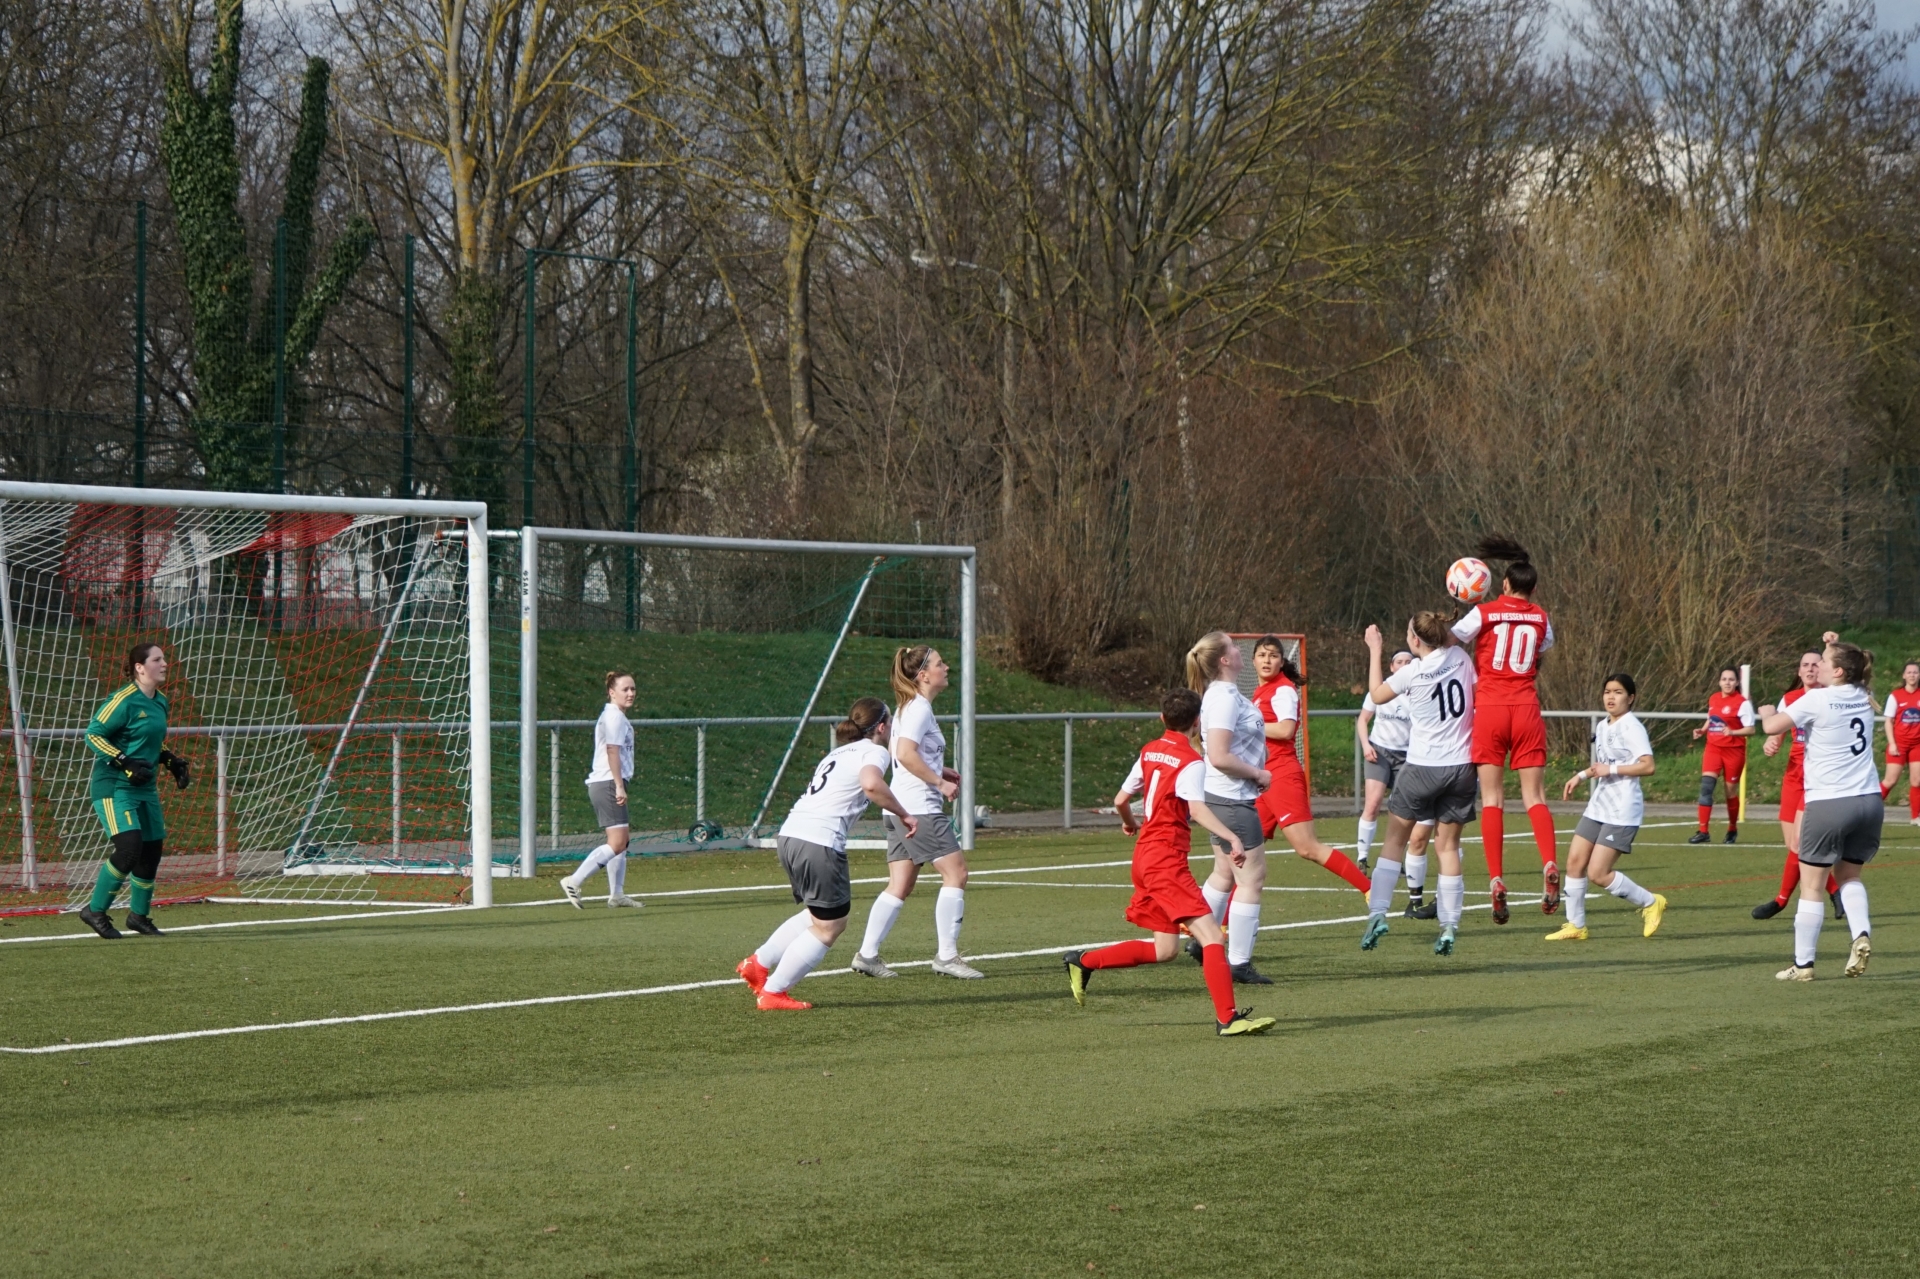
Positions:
(1286, 806)
(1793, 791)
(607, 792)
(1233, 742)
(1729, 725)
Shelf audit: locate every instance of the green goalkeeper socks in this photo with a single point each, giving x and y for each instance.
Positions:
(140, 897)
(106, 884)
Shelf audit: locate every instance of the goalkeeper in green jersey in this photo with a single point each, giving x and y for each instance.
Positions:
(125, 736)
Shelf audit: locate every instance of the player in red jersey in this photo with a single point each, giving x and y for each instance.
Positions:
(1508, 635)
(1166, 897)
(1285, 806)
(1729, 725)
(1792, 793)
(1903, 739)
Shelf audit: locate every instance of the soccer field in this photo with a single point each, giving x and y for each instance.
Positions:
(1622, 1107)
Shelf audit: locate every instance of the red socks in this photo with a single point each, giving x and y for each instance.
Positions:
(1913, 801)
(1492, 841)
(1125, 954)
(1706, 816)
(1733, 809)
(1342, 865)
(1543, 834)
(1213, 961)
(1789, 878)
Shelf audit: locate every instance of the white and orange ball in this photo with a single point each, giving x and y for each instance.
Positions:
(1469, 580)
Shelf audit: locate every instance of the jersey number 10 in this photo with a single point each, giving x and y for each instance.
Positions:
(1515, 647)
(1451, 699)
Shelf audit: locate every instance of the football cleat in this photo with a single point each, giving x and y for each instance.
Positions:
(1194, 950)
(621, 899)
(143, 924)
(1568, 932)
(1443, 944)
(1767, 910)
(957, 967)
(753, 972)
(875, 967)
(1839, 911)
(1914, 820)
(1244, 1023)
(1429, 909)
(1733, 835)
(1795, 973)
(1500, 914)
(1653, 915)
(773, 1001)
(1700, 837)
(1247, 975)
(1857, 957)
(1078, 975)
(573, 894)
(98, 921)
(1376, 929)
(1550, 897)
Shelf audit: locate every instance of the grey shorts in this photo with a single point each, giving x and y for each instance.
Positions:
(1386, 769)
(1440, 794)
(1834, 830)
(1618, 838)
(608, 811)
(934, 839)
(818, 876)
(1240, 817)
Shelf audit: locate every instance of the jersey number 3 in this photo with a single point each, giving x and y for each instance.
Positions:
(1515, 647)
(820, 778)
(1859, 727)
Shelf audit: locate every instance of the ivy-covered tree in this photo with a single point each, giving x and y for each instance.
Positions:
(233, 329)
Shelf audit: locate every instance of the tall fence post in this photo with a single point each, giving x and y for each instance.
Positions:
(396, 797)
(700, 772)
(220, 808)
(140, 346)
(1066, 779)
(553, 788)
(1359, 771)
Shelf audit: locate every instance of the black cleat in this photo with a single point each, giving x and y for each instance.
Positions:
(1733, 836)
(98, 921)
(1767, 910)
(1415, 902)
(143, 924)
(1195, 951)
(1699, 837)
(1429, 909)
(1247, 975)
(1078, 975)
(1839, 911)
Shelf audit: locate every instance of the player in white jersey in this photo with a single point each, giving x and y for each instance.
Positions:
(1622, 754)
(1840, 825)
(813, 852)
(1233, 741)
(924, 783)
(1438, 784)
(607, 789)
(1383, 729)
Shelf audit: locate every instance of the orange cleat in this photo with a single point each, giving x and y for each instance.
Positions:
(780, 1001)
(753, 972)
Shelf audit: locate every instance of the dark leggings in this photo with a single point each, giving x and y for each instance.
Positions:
(136, 855)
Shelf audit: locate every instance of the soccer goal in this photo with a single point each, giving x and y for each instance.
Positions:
(1295, 647)
(745, 652)
(327, 682)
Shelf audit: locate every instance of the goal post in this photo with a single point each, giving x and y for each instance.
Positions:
(626, 591)
(328, 682)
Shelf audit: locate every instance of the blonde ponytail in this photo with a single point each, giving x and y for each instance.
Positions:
(908, 662)
(1203, 659)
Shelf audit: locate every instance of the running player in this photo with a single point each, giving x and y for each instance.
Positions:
(924, 784)
(1383, 732)
(1903, 739)
(607, 790)
(1792, 789)
(1840, 825)
(1621, 755)
(1729, 725)
(1233, 743)
(1171, 774)
(125, 736)
(1509, 634)
(1286, 806)
(813, 851)
(1438, 781)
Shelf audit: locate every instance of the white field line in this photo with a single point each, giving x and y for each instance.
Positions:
(135, 1041)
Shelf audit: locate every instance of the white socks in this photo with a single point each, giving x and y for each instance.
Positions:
(886, 909)
(775, 946)
(804, 954)
(1416, 873)
(1628, 891)
(1453, 899)
(617, 874)
(1386, 875)
(1806, 931)
(1243, 925)
(1576, 900)
(594, 861)
(1853, 900)
(948, 910)
(1366, 837)
(1217, 899)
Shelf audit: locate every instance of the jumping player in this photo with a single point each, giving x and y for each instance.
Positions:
(813, 852)
(607, 789)
(1383, 730)
(1792, 790)
(125, 736)
(1437, 785)
(1903, 739)
(1621, 755)
(1285, 806)
(1233, 743)
(1729, 725)
(1509, 634)
(1171, 774)
(1840, 825)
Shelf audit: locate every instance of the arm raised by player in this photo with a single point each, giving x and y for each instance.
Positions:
(1207, 818)
(874, 784)
(1381, 692)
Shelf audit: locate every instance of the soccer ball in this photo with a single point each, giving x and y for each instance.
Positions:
(1469, 580)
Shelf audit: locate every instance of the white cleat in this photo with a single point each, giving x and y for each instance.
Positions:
(621, 899)
(573, 894)
(957, 967)
(1795, 973)
(1857, 958)
(875, 967)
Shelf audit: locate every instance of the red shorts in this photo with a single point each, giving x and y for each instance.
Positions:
(1903, 751)
(1793, 796)
(1285, 802)
(1502, 730)
(1164, 892)
(1723, 756)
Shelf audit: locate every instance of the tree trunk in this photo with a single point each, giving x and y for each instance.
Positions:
(801, 427)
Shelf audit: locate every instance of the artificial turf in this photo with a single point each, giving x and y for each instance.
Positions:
(1622, 1107)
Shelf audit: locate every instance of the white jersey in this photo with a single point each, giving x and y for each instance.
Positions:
(1616, 801)
(915, 723)
(834, 797)
(1223, 705)
(1392, 725)
(1839, 725)
(1438, 691)
(611, 729)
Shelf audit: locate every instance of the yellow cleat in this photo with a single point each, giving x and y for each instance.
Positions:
(1857, 958)
(1653, 915)
(1568, 932)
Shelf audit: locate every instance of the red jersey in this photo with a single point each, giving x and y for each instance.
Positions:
(1727, 712)
(1279, 699)
(1170, 774)
(1903, 709)
(1508, 635)
(1798, 751)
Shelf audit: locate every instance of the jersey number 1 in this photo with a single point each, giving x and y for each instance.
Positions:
(1515, 647)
